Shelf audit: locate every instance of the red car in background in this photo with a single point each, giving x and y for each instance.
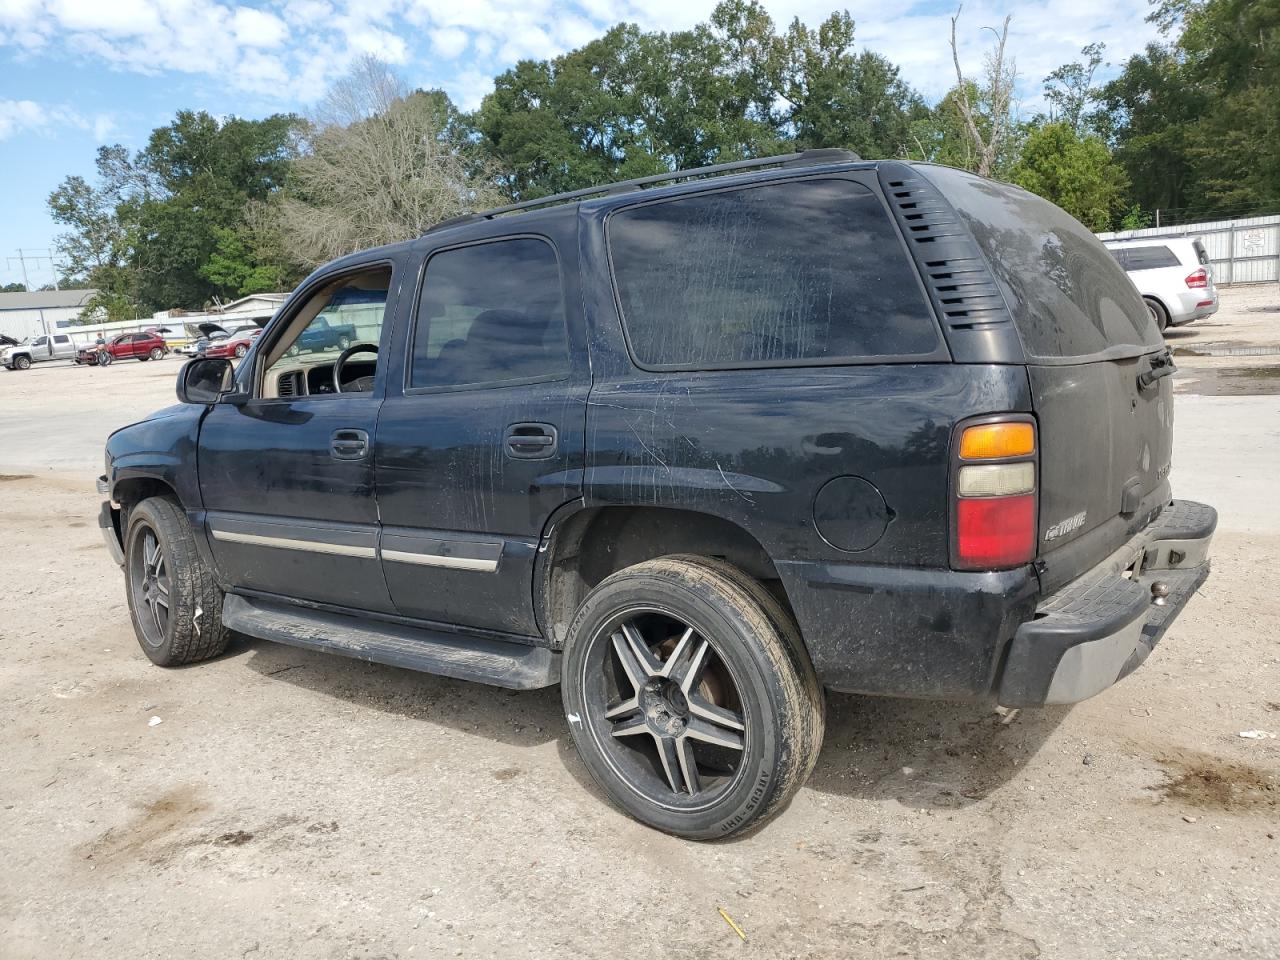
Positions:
(139, 346)
(236, 345)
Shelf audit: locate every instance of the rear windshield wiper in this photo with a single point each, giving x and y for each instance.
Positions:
(1161, 366)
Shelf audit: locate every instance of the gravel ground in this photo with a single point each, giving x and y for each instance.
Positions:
(289, 804)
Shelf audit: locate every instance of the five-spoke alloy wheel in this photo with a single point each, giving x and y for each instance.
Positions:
(690, 696)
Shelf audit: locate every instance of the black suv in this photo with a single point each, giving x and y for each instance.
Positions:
(694, 447)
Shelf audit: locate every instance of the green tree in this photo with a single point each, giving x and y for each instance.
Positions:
(14, 288)
(1198, 114)
(1078, 174)
(98, 247)
(1070, 92)
(837, 97)
(204, 171)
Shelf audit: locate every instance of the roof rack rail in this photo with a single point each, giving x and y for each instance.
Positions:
(802, 159)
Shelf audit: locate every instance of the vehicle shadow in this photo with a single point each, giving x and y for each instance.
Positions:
(519, 718)
(926, 753)
(918, 753)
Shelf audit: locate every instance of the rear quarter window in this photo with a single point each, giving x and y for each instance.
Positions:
(1069, 298)
(799, 272)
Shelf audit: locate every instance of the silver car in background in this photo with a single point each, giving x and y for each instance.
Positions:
(1173, 274)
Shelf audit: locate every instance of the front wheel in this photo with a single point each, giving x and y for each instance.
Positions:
(174, 602)
(22, 363)
(104, 358)
(690, 696)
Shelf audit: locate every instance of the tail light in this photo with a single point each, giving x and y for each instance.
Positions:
(994, 496)
(1198, 279)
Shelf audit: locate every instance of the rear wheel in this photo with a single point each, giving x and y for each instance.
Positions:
(1158, 314)
(157, 353)
(690, 697)
(241, 350)
(174, 602)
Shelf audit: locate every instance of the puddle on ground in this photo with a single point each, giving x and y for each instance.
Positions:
(1199, 780)
(1228, 381)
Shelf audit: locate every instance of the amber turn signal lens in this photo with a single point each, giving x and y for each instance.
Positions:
(991, 441)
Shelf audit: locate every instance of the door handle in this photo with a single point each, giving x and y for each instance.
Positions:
(530, 441)
(349, 444)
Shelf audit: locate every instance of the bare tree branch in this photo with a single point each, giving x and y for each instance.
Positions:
(995, 96)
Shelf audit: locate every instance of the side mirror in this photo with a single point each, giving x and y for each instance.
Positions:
(205, 380)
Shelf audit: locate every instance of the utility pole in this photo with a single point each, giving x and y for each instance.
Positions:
(33, 255)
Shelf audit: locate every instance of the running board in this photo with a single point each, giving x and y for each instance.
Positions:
(496, 662)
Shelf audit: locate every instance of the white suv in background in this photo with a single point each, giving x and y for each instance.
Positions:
(1172, 274)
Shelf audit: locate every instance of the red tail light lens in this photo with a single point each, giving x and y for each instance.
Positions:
(993, 532)
(1198, 279)
(994, 490)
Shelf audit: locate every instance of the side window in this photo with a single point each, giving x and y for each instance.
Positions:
(61, 338)
(347, 312)
(488, 313)
(39, 341)
(788, 273)
(1150, 258)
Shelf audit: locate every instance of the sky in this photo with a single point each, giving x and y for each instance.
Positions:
(75, 74)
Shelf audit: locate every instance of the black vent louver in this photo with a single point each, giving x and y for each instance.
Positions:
(287, 385)
(975, 318)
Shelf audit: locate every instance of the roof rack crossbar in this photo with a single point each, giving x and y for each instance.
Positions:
(803, 158)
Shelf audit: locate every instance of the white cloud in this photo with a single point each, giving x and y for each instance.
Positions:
(27, 116)
(257, 29)
(286, 51)
(18, 115)
(449, 42)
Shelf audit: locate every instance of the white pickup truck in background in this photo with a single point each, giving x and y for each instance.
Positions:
(57, 346)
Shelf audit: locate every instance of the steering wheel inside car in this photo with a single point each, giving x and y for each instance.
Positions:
(360, 384)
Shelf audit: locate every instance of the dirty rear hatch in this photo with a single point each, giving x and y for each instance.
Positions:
(1097, 365)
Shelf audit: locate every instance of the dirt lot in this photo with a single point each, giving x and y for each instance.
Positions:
(290, 804)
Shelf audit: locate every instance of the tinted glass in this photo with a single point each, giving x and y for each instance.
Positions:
(488, 313)
(61, 338)
(1150, 258)
(1069, 299)
(789, 272)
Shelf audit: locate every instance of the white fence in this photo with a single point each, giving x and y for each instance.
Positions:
(1242, 251)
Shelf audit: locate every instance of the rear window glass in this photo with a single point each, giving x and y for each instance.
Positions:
(807, 271)
(1149, 258)
(1069, 299)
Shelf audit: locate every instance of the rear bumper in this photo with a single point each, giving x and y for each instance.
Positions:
(1191, 305)
(1103, 625)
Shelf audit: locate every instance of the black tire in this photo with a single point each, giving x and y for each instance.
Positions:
(344, 342)
(104, 358)
(190, 628)
(157, 353)
(764, 683)
(241, 350)
(22, 363)
(1158, 313)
